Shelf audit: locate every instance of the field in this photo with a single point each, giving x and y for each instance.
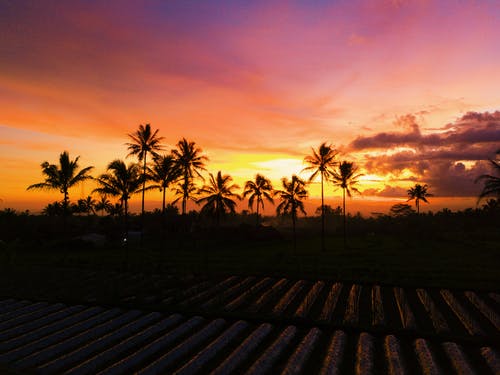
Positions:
(446, 334)
(206, 304)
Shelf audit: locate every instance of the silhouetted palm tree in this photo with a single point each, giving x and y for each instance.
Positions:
(103, 204)
(53, 209)
(185, 193)
(294, 191)
(218, 196)
(346, 177)
(190, 161)
(121, 181)
(491, 182)
(164, 172)
(144, 142)
(87, 205)
(63, 176)
(257, 191)
(321, 163)
(419, 193)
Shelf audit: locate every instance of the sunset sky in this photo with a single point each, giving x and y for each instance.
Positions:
(409, 90)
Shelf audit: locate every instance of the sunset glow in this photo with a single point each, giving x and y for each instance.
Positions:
(408, 90)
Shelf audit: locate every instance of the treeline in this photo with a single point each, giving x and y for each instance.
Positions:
(179, 176)
(171, 228)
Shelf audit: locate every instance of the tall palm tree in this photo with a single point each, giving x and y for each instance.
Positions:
(191, 162)
(257, 191)
(121, 181)
(291, 197)
(164, 172)
(218, 196)
(103, 204)
(144, 142)
(321, 163)
(346, 177)
(419, 193)
(491, 182)
(63, 176)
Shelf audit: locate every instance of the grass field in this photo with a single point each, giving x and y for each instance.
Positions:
(451, 263)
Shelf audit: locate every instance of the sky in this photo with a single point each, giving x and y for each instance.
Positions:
(408, 90)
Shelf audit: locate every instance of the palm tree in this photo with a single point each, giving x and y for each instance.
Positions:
(257, 191)
(218, 196)
(491, 182)
(103, 204)
(121, 181)
(87, 205)
(345, 177)
(53, 209)
(321, 163)
(188, 193)
(63, 176)
(190, 161)
(144, 142)
(164, 172)
(294, 191)
(419, 193)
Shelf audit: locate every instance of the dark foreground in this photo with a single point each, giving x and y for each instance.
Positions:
(71, 321)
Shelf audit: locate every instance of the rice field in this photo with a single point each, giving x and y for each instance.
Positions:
(135, 322)
(445, 313)
(95, 340)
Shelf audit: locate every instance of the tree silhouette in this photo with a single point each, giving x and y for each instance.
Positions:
(419, 193)
(257, 191)
(164, 172)
(103, 204)
(144, 142)
(321, 163)
(491, 183)
(62, 177)
(121, 181)
(294, 191)
(53, 209)
(328, 210)
(218, 196)
(190, 161)
(346, 177)
(401, 210)
(87, 205)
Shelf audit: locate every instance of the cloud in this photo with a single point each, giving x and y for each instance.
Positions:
(473, 127)
(388, 191)
(448, 159)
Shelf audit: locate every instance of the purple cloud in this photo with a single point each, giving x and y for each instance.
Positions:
(448, 160)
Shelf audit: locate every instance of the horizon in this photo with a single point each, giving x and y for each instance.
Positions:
(256, 86)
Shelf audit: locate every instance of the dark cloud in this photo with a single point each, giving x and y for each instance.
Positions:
(449, 160)
(473, 127)
(387, 191)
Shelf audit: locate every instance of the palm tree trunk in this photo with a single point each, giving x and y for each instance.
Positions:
(322, 216)
(143, 191)
(185, 188)
(65, 212)
(293, 228)
(257, 213)
(417, 203)
(164, 214)
(163, 202)
(143, 187)
(125, 206)
(345, 222)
